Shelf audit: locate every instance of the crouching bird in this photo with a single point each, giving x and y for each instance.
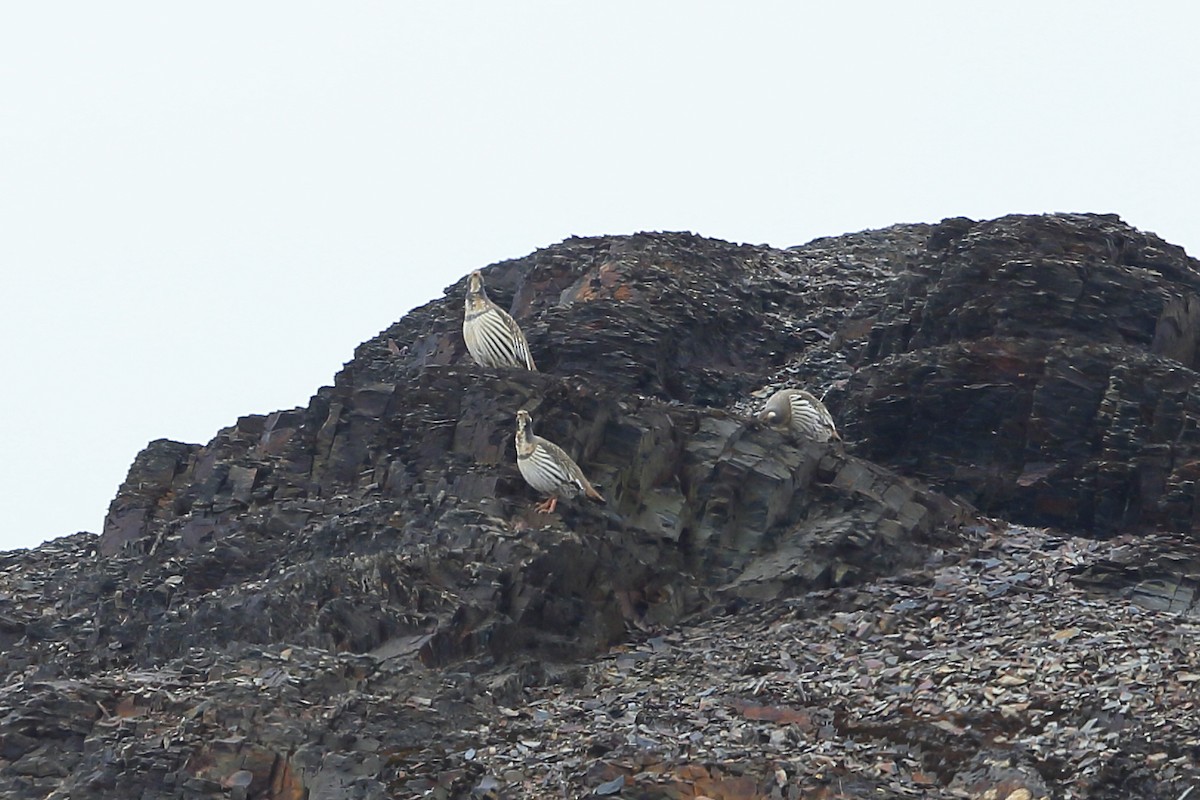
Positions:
(493, 337)
(547, 468)
(797, 412)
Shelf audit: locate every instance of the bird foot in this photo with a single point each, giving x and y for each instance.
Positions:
(546, 506)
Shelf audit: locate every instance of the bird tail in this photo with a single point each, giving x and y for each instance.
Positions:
(591, 492)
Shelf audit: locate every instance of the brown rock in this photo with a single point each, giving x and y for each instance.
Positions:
(351, 599)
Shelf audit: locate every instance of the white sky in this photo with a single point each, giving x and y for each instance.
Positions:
(205, 207)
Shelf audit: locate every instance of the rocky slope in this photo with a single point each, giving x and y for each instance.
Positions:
(354, 598)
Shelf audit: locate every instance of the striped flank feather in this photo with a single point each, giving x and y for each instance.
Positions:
(800, 414)
(547, 468)
(544, 472)
(493, 337)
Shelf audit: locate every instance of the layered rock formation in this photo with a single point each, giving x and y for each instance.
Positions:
(345, 599)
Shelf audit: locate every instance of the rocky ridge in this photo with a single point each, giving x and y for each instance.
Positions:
(353, 599)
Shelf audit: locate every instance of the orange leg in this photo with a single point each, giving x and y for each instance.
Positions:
(547, 506)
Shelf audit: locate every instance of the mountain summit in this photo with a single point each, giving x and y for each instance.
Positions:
(986, 589)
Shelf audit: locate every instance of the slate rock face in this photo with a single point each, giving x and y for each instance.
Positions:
(1042, 368)
(303, 606)
(398, 484)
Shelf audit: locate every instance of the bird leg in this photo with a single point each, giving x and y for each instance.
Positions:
(547, 506)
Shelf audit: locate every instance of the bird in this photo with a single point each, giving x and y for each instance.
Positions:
(492, 336)
(799, 413)
(547, 468)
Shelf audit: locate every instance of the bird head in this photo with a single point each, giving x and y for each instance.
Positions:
(475, 283)
(477, 299)
(777, 412)
(524, 435)
(769, 417)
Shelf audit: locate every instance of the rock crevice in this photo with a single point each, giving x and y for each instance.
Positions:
(355, 598)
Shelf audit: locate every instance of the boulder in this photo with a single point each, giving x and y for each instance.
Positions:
(986, 591)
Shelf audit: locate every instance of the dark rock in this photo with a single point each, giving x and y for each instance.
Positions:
(147, 490)
(347, 599)
(1041, 368)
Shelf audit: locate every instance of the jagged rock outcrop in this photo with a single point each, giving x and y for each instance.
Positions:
(304, 605)
(1043, 368)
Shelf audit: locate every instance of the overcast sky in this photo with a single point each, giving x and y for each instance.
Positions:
(205, 207)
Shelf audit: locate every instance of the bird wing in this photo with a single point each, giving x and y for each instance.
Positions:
(523, 349)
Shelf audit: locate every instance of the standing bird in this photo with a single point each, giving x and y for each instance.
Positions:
(492, 336)
(547, 468)
(799, 413)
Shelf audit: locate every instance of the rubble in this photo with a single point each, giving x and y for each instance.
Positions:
(989, 591)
